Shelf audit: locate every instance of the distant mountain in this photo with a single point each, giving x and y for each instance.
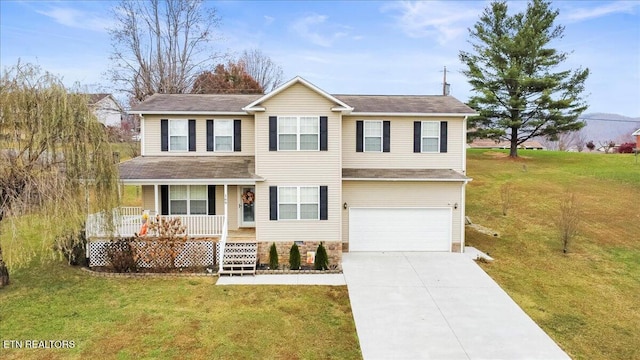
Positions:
(604, 127)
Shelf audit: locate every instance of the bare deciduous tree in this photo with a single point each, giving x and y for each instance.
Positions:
(568, 220)
(267, 73)
(160, 46)
(54, 155)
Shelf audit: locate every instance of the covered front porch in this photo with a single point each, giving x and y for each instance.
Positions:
(214, 198)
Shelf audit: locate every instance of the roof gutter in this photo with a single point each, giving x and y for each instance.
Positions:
(187, 112)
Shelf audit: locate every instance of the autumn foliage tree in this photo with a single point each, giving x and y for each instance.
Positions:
(54, 155)
(229, 79)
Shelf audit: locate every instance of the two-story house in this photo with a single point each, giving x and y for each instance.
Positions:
(356, 172)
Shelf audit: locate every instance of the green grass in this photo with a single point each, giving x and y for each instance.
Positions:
(172, 318)
(586, 300)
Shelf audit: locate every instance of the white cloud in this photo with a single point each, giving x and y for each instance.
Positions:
(580, 14)
(441, 20)
(315, 29)
(268, 20)
(78, 19)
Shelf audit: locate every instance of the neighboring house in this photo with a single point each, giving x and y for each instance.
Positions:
(355, 172)
(106, 109)
(492, 144)
(637, 135)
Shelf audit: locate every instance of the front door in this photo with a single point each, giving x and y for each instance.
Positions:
(247, 206)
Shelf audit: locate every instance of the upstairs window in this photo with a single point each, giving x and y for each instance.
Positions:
(223, 130)
(178, 135)
(373, 136)
(299, 133)
(430, 137)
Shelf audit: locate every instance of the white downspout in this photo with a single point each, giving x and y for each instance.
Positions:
(155, 198)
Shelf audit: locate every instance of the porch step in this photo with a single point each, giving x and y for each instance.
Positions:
(240, 258)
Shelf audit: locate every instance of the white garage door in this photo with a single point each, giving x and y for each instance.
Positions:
(399, 229)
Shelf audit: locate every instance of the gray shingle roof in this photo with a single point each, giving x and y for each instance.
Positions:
(188, 167)
(436, 104)
(196, 102)
(404, 174)
(424, 104)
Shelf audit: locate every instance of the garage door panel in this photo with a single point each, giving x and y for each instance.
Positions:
(399, 229)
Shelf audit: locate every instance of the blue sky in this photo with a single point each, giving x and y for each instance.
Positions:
(343, 47)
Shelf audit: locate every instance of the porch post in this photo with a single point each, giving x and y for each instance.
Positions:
(226, 205)
(155, 197)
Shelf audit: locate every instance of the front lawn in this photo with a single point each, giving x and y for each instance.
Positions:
(171, 318)
(586, 300)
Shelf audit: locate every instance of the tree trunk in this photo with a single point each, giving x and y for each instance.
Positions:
(513, 151)
(4, 272)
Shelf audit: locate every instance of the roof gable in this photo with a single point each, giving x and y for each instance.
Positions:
(254, 106)
(636, 133)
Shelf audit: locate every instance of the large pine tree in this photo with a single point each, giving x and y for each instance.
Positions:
(521, 89)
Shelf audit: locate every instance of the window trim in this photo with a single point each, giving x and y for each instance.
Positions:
(186, 124)
(422, 136)
(364, 135)
(188, 200)
(215, 135)
(298, 202)
(298, 132)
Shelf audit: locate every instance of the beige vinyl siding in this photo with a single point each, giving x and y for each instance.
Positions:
(389, 194)
(401, 154)
(298, 168)
(152, 135)
(148, 201)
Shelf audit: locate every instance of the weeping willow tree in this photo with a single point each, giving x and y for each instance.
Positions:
(56, 164)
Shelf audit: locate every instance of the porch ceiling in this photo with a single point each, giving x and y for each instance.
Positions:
(174, 169)
(404, 175)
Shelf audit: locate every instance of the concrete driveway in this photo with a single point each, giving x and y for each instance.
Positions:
(437, 306)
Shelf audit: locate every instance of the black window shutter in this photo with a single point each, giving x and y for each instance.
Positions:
(211, 195)
(209, 135)
(237, 130)
(164, 199)
(386, 136)
(324, 136)
(164, 135)
(273, 203)
(359, 135)
(324, 203)
(417, 136)
(192, 135)
(443, 136)
(273, 134)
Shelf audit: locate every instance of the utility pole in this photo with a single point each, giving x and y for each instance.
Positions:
(445, 86)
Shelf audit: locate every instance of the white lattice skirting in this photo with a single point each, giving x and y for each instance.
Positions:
(194, 254)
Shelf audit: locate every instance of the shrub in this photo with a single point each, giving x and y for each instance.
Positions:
(322, 259)
(626, 148)
(273, 257)
(591, 145)
(73, 247)
(294, 257)
(120, 256)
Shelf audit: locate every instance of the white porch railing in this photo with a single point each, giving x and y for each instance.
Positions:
(128, 220)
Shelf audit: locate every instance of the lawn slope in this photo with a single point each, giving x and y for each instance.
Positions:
(586, 300)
